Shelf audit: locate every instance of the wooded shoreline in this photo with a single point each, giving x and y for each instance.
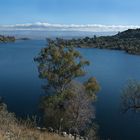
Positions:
(7, 38)
(128, 41)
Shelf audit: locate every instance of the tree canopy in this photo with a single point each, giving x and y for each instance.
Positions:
(68, 104)
(128, 41)
(60, 65)
(131, 96)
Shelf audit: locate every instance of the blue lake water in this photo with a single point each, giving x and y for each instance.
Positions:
(21, 88)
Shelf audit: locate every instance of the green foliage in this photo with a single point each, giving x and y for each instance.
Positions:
(128, 40)
(60, 65)
(73, 106)
(70, 104)
(92, 87)
(7, 38)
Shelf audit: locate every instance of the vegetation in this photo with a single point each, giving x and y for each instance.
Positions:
(128, 40)
(131, 96)
(13, 129)
(68, 104)
(57, 64)
(7, 38)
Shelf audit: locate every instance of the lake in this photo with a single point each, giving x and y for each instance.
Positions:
(21, 88)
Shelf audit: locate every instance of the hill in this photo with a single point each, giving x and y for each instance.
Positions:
(128, 41)
(130, 33)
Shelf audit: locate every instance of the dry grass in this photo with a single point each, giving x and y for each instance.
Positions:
(13, 129)
(28, 134)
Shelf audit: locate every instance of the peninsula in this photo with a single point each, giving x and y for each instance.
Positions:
(128, 41)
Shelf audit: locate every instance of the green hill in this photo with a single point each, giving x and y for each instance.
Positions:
(128, 40)
(130, 33)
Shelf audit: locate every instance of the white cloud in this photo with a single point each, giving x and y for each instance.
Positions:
(71, 27)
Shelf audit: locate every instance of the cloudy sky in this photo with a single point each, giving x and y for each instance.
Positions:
(72, 14)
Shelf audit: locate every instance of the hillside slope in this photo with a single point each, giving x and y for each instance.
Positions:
(13, 129)
(128, 41)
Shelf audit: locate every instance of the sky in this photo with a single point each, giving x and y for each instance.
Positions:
(103, 12)
(108, 12)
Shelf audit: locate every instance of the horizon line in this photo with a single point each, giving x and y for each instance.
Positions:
(68, 27)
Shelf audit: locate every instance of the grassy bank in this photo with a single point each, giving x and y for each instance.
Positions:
(13, 129)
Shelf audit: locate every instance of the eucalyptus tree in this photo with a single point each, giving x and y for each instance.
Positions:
(60, 65)
(70, 104)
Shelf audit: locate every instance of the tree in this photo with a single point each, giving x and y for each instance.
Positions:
(70, 104)
(131, 96)
(60, 65)
(74, 109)
(91, 87)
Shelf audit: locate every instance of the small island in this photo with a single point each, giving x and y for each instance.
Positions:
(128, 41)
(7, 38)
(23, 38)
